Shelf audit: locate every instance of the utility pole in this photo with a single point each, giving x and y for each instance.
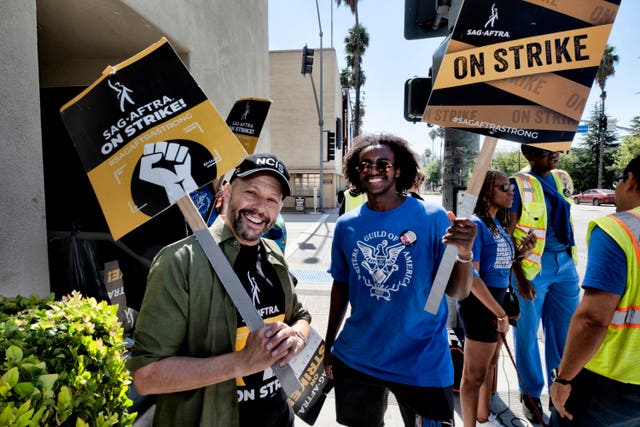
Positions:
(307, 68)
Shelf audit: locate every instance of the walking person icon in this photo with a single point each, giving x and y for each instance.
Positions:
(493, 18)
(124, 93)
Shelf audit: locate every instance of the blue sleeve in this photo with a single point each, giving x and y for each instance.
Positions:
(338, 267)
(603, 264)
(478, 242)
(517, 200)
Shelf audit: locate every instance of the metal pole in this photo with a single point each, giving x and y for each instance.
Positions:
(331, 6)
(321, 117)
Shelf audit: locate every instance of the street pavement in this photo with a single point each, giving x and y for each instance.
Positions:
(308, 253)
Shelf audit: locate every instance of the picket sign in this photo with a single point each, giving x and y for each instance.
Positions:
(519, 71)
(147, 136)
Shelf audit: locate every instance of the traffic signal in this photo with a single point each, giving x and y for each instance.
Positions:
(331, 146)
(307, 60)
(416, 95)
(603, 123)
(338, 133)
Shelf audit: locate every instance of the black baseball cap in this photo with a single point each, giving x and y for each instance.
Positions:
(266, 163)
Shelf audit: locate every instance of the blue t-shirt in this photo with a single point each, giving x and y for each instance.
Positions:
(389, 260)
(551, 242)
(494, 253)
(606, 264)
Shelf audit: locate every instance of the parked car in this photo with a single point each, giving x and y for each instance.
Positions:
(595, 196)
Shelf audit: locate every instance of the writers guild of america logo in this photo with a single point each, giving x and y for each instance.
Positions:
(382, 266)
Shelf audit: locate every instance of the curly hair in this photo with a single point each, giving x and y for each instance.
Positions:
(485, 201)
(405, 160)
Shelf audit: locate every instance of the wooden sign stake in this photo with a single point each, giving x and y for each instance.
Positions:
(466, 210)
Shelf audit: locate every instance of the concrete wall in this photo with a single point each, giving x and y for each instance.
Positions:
(23, 248)
(228, 44)
(225, 45)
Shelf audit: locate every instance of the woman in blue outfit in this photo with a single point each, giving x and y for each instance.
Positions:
(482, 315)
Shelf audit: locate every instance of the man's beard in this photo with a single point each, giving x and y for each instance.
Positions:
(246, 233)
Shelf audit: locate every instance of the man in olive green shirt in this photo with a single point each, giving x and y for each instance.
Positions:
(192, 348)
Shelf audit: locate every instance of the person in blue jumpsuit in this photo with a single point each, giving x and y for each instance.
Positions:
(547, 279)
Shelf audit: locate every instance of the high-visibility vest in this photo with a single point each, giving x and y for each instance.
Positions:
(533, 216)
(352, 202)
(617, 357)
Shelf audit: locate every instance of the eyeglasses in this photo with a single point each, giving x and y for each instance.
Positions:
(506, 187)
(381, 166)
(617, 180)
(544, 153)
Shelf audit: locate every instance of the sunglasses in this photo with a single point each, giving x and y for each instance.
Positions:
(506, 187)
(381, 166)
(617, 180)
(544, 153)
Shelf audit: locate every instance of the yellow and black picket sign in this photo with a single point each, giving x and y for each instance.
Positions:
(147, 135)
(519, 70)
(241, 120)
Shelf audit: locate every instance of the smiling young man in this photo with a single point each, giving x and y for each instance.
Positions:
(192, 349)
(384, 257)
(546, 278)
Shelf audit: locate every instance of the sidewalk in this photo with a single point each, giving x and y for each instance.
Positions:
(308, 255)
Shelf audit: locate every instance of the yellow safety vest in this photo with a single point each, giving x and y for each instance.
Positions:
(617, 357)
(352, 202)
(534, 216)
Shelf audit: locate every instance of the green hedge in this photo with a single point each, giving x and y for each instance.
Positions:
(62, 363)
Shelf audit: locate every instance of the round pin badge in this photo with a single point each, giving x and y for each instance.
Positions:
(566, 192)
(408, 238)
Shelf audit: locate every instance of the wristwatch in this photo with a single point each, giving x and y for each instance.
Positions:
(556, 379)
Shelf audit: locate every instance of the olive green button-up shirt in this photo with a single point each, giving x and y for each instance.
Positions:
(187, 312)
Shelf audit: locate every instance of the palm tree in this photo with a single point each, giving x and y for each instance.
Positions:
(357, 53)
(605, 70)
(433, 134)
(355, 44)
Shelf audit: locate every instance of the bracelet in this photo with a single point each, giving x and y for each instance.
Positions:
(304, 339)
(501, 318)
(465, 261)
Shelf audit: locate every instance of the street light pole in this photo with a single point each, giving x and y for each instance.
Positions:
(321, 116)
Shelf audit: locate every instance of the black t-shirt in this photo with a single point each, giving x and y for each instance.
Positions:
(260, 397)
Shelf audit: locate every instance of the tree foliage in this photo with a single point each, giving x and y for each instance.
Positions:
(630, 146)
(432, 174)
(509, 162)
(586, 174)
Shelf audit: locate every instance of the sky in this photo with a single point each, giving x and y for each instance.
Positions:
(390, 60)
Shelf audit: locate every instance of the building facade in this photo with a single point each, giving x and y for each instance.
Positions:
(295, 130)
